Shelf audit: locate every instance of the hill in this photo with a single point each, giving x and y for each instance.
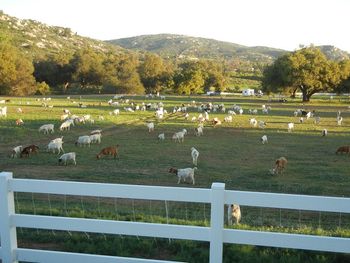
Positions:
(179, 46)
(41, 41)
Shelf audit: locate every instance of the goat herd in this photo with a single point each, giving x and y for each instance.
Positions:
(200, 117)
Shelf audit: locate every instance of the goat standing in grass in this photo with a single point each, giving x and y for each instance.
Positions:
(183, 173)
(194, 154)
(233, 212)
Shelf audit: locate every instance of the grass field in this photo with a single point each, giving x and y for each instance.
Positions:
(231, 153)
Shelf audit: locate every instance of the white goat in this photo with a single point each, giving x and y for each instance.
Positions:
(67, 157)
(253, 122)
(228, 118)
(262, 124)
(55, 145)
(66, 125)
(194, 154)
(46, 128)
(179, 136)
(198, 131)
(290, 126)
(16, 151)
(161, 137)
(95, 138)
(3, 111)
(150, 126)
(83, 140)
(324, 132)
(184, 174)
(264, 139)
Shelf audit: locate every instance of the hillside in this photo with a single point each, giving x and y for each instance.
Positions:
(179, 46)
(41, 41)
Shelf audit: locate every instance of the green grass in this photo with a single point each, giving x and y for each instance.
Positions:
(231, 153)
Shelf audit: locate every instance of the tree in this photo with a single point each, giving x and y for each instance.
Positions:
(88, 68)
(189, 78)
(152, 72)
(43, 88)
(128, 77)
(306, 69)
(16, 72)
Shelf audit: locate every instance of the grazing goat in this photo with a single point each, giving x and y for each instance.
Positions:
(179, 136)
(184, 174)
(47, 128)
(19, 122)
(290, 126)
(194, 154)
(29, 149)
(67, 157)
(66, 125)
(112, 150)
(95, 138)
(228, 118)
(96, 132)
(233, 212)
(280, 164)
(264, 139)
(216, 122)
(16, 151)
(83, 140)
(343, 149)
(262, 124)
(253, 122)
(55, 145)
(161, 137)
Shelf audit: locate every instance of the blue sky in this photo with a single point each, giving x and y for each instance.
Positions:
(275, 23)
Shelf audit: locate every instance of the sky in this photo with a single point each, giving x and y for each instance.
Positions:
(284, 24)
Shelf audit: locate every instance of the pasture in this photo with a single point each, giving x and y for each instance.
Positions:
(231, 153)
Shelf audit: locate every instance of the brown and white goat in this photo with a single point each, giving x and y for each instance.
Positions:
(280, 165)
(29, 149)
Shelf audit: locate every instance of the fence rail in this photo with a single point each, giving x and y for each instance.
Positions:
(216, 234)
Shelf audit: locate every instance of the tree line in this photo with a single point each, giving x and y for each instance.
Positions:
(89, 71)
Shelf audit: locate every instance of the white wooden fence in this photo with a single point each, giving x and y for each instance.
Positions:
(216, 234)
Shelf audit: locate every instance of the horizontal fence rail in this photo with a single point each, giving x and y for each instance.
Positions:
(216, 234)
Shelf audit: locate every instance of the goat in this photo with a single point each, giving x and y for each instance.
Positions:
(264, 139)
(233, 212)
(150, 126)
(29, 149)
(55, 145)
(112, 150)
(194, 154)
(16, 151)
(67, 157)
(280, 165)
(324, 132)
(47, 128)
(343, 149)
(183, 174)
(83, 140)
(19, 122)
(161, 137)
(290, 126)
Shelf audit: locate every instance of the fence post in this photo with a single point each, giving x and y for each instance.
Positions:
(217, 222)
(7, 230)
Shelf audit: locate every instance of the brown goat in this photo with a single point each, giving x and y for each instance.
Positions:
(112, 150)
(29, 149)
(343, 149)
(280, 164)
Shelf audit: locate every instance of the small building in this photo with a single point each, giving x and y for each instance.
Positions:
(248, 92)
